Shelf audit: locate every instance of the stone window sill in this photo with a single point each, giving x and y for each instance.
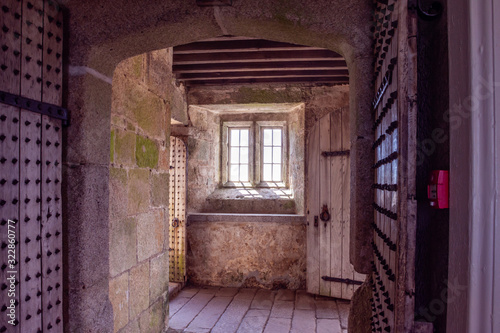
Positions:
(251, 201)
(249, 193)
(245, 218)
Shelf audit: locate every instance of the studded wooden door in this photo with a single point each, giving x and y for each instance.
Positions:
(177, 206)
(394, 111)
(30, 167)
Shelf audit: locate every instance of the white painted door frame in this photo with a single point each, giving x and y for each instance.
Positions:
(474, 266)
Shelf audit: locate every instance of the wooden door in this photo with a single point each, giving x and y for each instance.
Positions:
(177, 207)
(329, 271)
(30, 166)
(394, 111)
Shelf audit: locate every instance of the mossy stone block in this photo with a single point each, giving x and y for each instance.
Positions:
(138, 289)
(124, 148)
(160, 189)
(123, 243)
(158, 283)
(117, 193)
(146, 153)
(112, 147)
(118, 295)
(138, 191)
(153, 320)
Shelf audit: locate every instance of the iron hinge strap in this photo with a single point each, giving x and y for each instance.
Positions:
(335, 153)
(334, 279)
(43, 108)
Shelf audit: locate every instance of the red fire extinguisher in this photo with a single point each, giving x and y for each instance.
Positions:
(437, 189)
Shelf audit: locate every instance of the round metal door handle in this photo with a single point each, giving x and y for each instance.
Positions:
(325, 214)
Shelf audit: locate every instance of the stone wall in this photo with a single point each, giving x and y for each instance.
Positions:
(142, 104)
(235, 250)
(242, 251)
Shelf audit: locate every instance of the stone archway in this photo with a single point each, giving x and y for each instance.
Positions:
(101, 34)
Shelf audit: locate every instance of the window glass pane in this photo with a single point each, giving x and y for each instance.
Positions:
(277, 155)
(244, 173)
(267, 173)
(235, 137)
(276, 137)
(276, 172)
(268, 155)
(268, 137)
(244, 138)
(244, 155)
(235, 155)
(233, 173)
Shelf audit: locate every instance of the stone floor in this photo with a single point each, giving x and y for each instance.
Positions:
(226, 310)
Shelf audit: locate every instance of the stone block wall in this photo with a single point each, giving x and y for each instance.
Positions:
(142, 104)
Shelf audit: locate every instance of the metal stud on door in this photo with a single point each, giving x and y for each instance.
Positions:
(177, 210)
(394, 111)
(31, 122)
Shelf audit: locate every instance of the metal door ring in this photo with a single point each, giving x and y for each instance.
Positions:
(325, 215)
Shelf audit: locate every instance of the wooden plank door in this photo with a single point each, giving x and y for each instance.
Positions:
(394, 110)
(177, 207)
(30, 167)
(329, 271)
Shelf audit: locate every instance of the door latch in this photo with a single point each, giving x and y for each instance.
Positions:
(175, 222)
(325, 214)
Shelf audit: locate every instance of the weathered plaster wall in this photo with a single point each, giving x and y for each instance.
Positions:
(138, 191)
(236, 252)
(232, 251)
(318, 100)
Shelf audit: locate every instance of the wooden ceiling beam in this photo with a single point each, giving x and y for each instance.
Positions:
(264, 74)
(260, 66)
(310, 80)
(241, 57)
(255, 45)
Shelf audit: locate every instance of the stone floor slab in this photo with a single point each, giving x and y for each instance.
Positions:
(207, 318)
(176, 304)
(188, 292)
(231, 318)
(304, 301)
(278, 325)
(328, 326)
(246, 293)
(255, 322)
(282, 309)
(189, 311)
(263, 300)
(344, 307)
(209, 290)
(285, 295)
(227, 292)
(326, 309)
(303, 321)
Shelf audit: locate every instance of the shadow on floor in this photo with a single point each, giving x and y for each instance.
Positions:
(248, 310)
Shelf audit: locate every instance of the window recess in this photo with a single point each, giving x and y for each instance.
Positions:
(254, 154)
